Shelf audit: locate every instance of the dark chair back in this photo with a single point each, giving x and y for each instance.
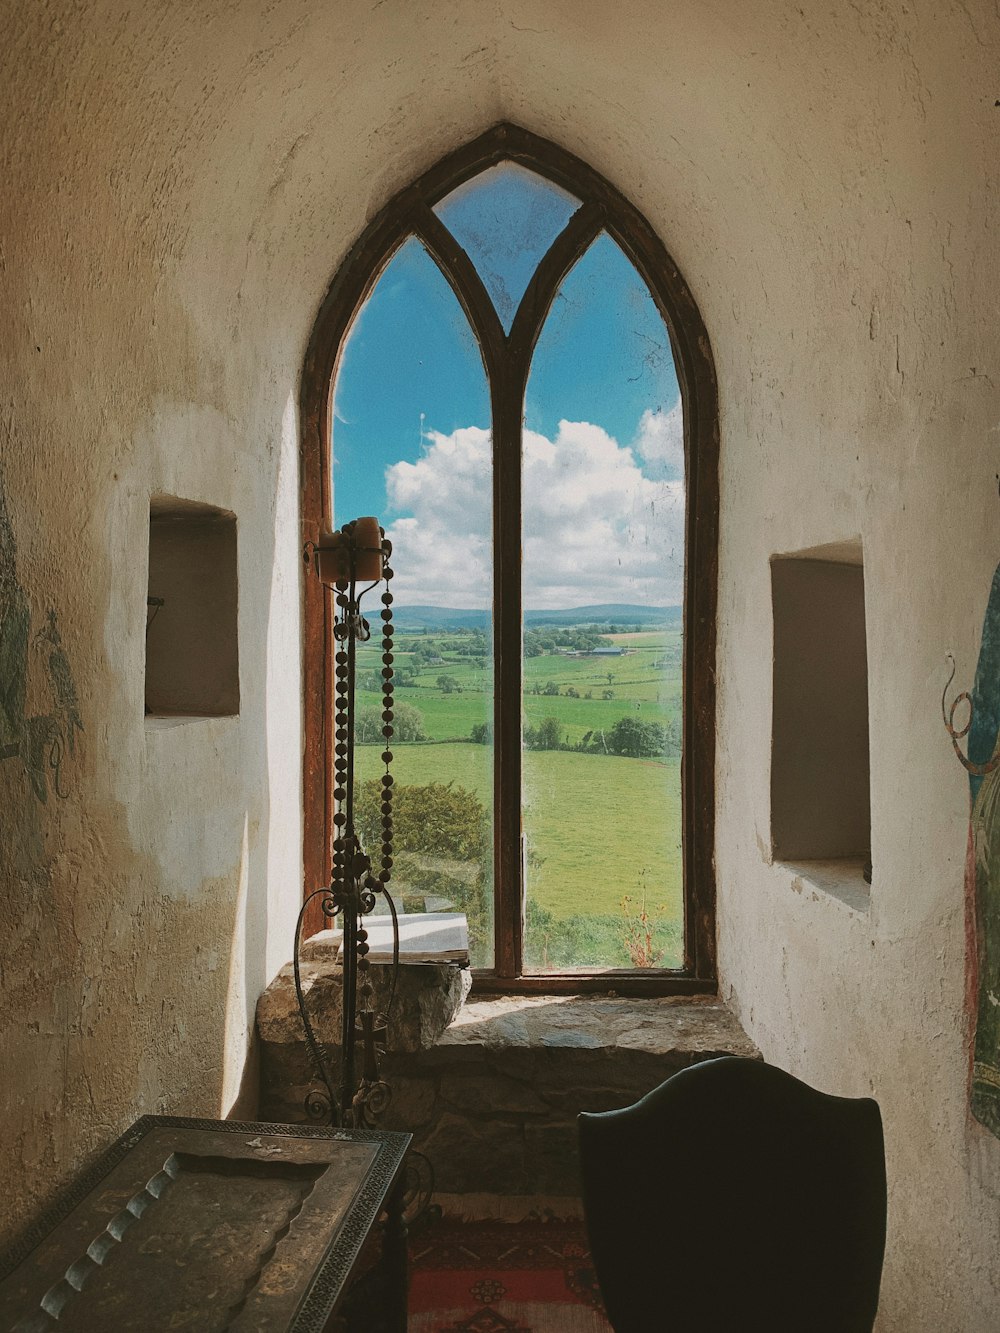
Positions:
(733, 1198)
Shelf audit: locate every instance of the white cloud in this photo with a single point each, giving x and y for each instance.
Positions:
(596, 528)
(659, 442)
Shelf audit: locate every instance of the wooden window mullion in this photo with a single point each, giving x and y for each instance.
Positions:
(507, 394)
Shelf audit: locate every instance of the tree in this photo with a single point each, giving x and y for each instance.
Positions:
(551, 688)
(481, 733)
(638, 740)
(407, 724)
(438, 818)
(442, 847)
(539, 641)
(368, 725)
(546, 736)
(448, 685)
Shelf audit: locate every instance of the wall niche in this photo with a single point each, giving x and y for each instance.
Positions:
(820, 799)
(192, 654)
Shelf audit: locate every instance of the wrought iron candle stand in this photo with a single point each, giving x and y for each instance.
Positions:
(351, 563)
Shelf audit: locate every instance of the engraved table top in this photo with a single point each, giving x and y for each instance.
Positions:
(203, 1226)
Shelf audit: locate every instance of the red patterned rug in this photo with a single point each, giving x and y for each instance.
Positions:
(503, 1277)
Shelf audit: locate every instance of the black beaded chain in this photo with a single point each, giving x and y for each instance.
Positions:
(385, 873)
(343, 854)
(351, 865)
(378, 883)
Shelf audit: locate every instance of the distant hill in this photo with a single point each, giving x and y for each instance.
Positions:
(444, 617)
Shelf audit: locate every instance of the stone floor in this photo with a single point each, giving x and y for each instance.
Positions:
(493, 1102)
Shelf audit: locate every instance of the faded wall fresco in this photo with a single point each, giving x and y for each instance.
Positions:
(42, 742)
(976, 715)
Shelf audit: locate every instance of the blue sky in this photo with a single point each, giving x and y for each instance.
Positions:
(412, 408)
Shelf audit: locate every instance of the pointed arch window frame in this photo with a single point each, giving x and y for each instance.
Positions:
(507, 363)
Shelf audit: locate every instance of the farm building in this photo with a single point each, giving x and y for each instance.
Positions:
(182, 186)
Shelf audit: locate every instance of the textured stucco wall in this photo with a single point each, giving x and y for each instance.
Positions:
(827, 180)
(180, 183)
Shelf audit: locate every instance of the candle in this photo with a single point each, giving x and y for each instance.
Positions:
(352, 552)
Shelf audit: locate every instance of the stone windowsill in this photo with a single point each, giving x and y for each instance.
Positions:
(493, 1099)
(694, 1026)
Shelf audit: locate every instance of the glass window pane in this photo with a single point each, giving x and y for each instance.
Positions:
(603, 532)
(505, 219)
(412, 444)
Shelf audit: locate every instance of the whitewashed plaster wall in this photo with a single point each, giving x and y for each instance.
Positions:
(827, 182)
(180, 188)
(180, 183)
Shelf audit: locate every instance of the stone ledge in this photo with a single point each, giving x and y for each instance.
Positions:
(660, 1027)
(493, 1103)
(428, 996)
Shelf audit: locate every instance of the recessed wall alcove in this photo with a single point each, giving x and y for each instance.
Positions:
(192, 656)
(820, 803)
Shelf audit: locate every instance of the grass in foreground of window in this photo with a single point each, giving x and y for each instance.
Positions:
(575, 914)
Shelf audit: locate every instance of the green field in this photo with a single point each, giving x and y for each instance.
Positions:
(646, 683)
(599, 827)
(590, 820)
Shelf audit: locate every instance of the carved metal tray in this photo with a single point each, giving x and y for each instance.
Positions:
(204, 1226)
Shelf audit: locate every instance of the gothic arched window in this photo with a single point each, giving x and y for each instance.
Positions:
(511, 373)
